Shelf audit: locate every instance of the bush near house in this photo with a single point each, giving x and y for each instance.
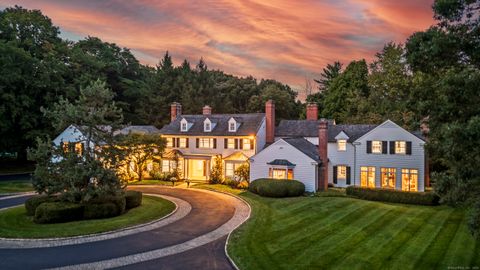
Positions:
(277, 188)
(393, 196)
(133, 198)
(32, 203)
(57, 212)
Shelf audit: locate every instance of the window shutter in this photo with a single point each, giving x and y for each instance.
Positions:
(251, 144)
(241, 143)
(187, 139)
(214, 143)
(334, 174)
(178, 142)
(225, 143)
(198, 142)
(409, 148)
(384, 147)
(236, 143)
(392, 147)
(369, 147)
(174, 142)
(348, 175)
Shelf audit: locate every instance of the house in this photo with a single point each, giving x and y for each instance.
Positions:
(198, 140)
(377, 156)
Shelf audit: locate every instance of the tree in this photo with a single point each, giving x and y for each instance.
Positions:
(329, 73)
(140, 149)
(216, 174)
(91, 171)
(243, 172)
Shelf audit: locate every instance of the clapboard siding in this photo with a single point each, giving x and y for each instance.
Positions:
(336, 158)
(304, 171)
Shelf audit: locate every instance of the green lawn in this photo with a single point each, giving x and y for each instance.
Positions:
(15, 186)
(154, 182)
(14, 223)
(331, 232)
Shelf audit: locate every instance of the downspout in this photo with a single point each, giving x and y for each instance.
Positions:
(355, 162)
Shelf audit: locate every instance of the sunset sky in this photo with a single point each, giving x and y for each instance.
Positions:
(280, 39)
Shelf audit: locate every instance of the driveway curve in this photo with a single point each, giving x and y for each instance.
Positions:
(194, 241)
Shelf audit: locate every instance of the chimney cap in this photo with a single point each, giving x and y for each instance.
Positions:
(271, 101)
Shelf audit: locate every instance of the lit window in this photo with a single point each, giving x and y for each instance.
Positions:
(65, 147)
(232, 126)
(342, 145)
(377, 147)
(168, 165)
(79, 148)
(341, 172)
(246, 144)
(229, 169)
(230, 143)
(409, 180)
(182, 143)
(367, 177)
(169, 142)
(281, 173)
(400, 147)
(388, 177)
(205, 143)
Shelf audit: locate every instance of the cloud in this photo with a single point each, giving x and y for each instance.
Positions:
(280, 39)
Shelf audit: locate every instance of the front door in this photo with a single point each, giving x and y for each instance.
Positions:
(197, 169)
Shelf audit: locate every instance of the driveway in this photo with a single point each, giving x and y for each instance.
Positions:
(209, 211)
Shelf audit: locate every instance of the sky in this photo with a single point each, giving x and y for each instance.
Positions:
(290, 41)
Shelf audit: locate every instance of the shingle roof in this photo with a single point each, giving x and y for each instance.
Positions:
(249, 125)
(138, 129)
(304, 146)
(281, 162)
(309, 128)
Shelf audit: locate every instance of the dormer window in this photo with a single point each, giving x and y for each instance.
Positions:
(232, 125)
(342, 145)
(183, 125)
(207, 125)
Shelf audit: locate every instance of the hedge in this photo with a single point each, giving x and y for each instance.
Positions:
(133, 199)
(32, 203)
(56, 212)
(105, 206)
(277, 188)
(393, 196)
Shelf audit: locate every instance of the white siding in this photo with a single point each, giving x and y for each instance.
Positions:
(261, 136)
(389, 131)
(336, 158)
(305, 170)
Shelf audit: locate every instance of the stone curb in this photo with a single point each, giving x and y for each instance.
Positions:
(182, 209)
(7, 196)
(242, 213)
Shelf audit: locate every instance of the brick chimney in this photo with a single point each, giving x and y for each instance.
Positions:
(207, 110)
(312, 111)
(175, 110)
(270, 121)
(323, 154)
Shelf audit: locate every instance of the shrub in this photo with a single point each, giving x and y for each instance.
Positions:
(393, 196)
(100, 210)
(32, 203)
(55, 212)
(133, 199)
(119, 201)
(277, 188)
(243, 185)
(230, 182)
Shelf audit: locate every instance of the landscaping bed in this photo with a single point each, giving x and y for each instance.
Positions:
(323, 232)
(14, 222)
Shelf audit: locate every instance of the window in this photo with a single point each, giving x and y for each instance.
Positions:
(232, 126)
(246, 144)
(409, 180)
(205, 143)
(388, 177)
(341, 172)
(207, 127)
(230, 143)
(168, 165)
(367, 177)
(229, 169)
(169, 142)
(281, 173)
(182, 142)
(342, 145)
(377, 147)
(400, 147)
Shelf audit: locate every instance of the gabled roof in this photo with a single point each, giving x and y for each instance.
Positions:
(309, 128)
(250, 124)
(305, 147)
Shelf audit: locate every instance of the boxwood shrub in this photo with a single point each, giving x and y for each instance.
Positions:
(393, 196)
(277, 188)
(32, 203)
(56, 212)
(105, 206)
(133, 199)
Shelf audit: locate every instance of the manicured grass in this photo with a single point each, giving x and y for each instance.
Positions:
(324, 232)
(15, 186)
(154, 182)
(14, 223)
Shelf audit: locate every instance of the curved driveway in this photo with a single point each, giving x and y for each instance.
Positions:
(209, 212)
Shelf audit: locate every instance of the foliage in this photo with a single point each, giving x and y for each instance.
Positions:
(216, 173)
(133, 199)
(57, 212)
(100, 210)
(92, 172)
(329, 73)
(393, 196)
(32, 203)
(243, 172)
(277, 188)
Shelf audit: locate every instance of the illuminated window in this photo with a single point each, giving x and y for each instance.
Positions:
(377, 147)
(230, 143)
(367, 177)
(169, 142)
(246, 144)
(400, 147)
(341, 172)
(79, 148)
(229, 169)
(65, 146)
(409, 180)
(342, 145)
(388, 177)
(168, 165)
(205, 143)
(281, 173)
(182, 142)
